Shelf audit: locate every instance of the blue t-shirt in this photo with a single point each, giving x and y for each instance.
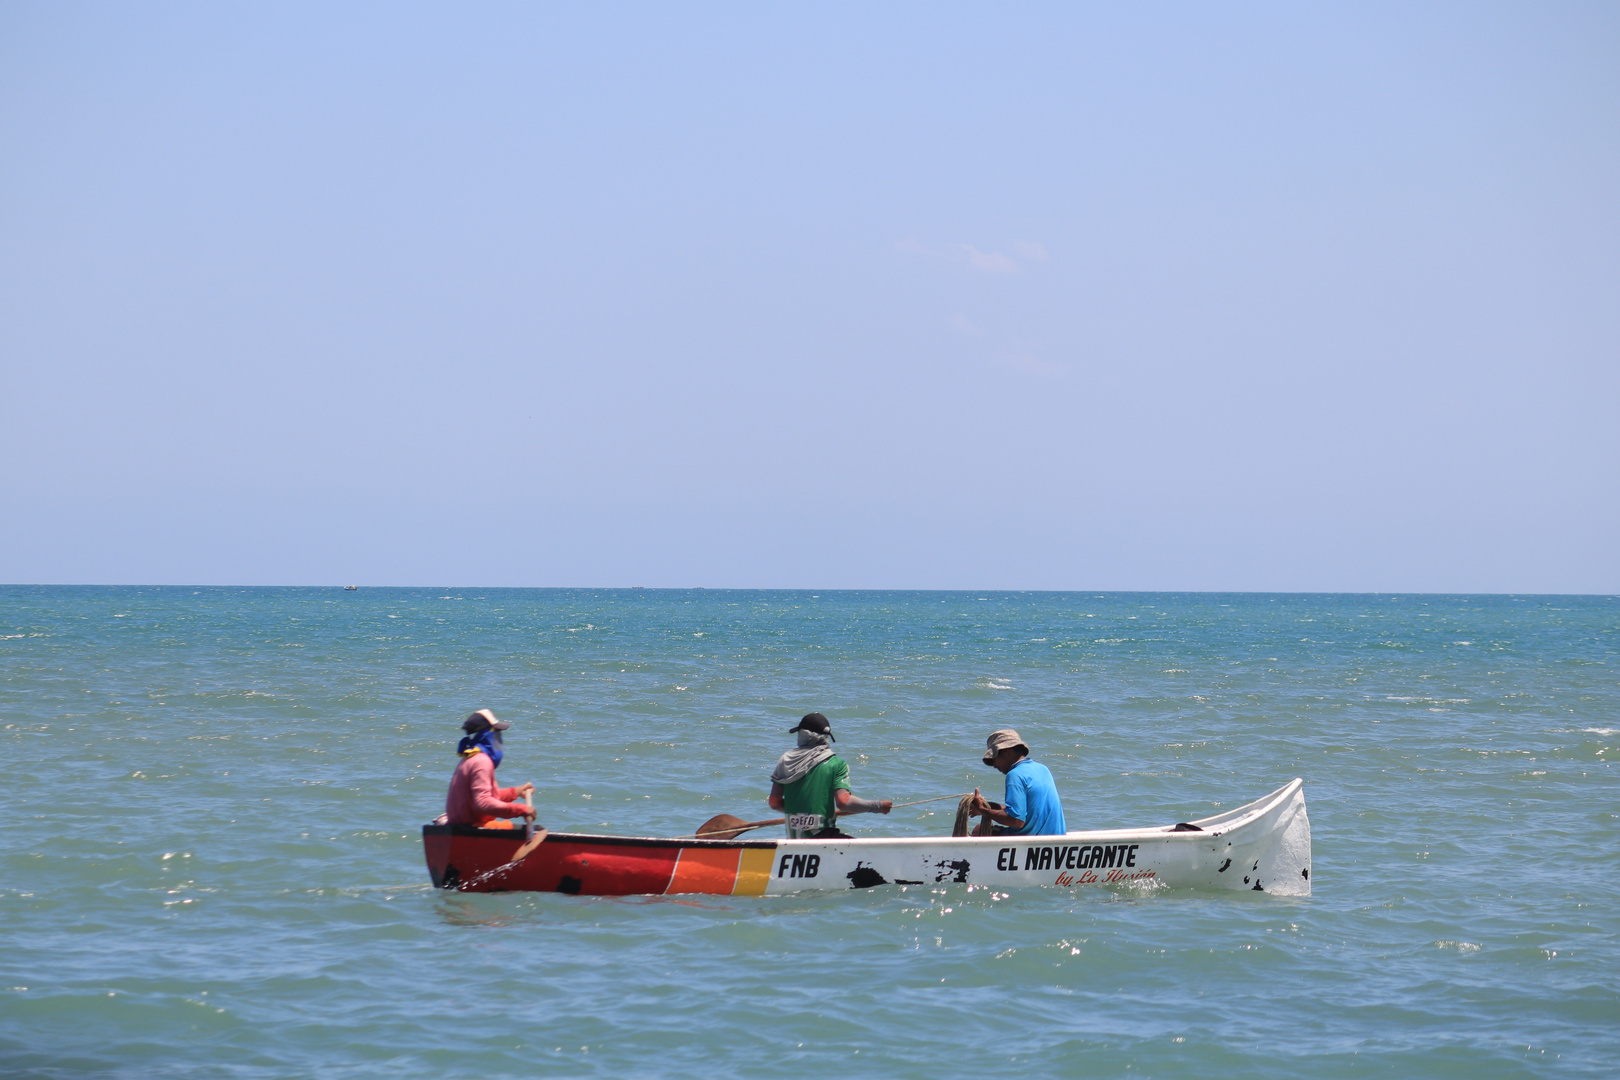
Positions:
(1032, 798)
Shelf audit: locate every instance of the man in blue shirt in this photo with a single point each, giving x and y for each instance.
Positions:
(1033, 807)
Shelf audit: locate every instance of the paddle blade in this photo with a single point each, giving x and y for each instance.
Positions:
(723, 827)
(529, 846)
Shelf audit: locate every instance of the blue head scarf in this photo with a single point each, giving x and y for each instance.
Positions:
(488, 740)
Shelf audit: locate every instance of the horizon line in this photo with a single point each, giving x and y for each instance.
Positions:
(808, 589)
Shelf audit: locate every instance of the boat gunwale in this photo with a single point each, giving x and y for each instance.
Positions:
(591, 838)
(1249, 813)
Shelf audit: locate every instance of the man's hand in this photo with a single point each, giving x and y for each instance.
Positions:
(529, 812)
(981, 808)
(886, 805)
(525, 789)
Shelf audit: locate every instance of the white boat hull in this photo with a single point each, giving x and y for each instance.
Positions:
(1264, 846)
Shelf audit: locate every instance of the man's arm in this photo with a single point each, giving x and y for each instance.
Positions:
(849, 804)
(775, 799)
(486, 797)
(847, 801)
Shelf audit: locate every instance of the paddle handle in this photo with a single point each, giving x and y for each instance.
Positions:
(528, 822)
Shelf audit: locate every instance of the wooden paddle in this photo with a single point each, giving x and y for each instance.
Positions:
(727, 826)
(533, 836)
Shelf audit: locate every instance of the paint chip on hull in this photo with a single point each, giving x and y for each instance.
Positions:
(864, 877)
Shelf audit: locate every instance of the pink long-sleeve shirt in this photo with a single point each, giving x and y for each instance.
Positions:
(474, 798)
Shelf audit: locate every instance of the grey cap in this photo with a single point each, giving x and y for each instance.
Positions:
(1001, 740)
(482, 719)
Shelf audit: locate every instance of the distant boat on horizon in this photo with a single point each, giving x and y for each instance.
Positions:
(350, 588)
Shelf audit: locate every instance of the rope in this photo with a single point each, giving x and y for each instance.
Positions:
(963, 823)
(937, 799)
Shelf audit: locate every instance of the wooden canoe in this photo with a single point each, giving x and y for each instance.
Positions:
(1264, 846)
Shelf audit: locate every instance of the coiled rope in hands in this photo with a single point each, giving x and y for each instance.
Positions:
(962, 819)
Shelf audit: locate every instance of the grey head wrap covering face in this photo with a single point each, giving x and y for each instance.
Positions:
(795, 765)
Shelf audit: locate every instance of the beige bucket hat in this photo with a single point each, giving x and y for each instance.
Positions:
(1001, 740)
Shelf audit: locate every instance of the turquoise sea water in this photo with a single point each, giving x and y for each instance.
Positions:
(212, 863)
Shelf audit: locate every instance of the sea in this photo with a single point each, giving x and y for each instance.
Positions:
(213, 800)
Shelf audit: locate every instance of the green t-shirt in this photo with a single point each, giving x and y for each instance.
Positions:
(809, 803)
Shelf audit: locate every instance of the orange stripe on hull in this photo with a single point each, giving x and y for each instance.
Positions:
(705, 870)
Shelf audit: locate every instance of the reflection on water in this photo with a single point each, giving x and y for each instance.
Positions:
(458, 909)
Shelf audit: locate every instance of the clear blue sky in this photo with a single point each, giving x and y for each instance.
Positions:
(1286, 297)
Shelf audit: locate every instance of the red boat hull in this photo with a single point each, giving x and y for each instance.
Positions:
(470, 859)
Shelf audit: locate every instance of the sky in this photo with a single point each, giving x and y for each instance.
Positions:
(917, 296)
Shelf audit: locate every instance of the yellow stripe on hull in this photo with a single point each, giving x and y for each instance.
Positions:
(754, 871)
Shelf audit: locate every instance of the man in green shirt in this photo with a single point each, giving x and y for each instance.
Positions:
(811, 784)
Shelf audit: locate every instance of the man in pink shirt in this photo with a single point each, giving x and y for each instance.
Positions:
(474, 799)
